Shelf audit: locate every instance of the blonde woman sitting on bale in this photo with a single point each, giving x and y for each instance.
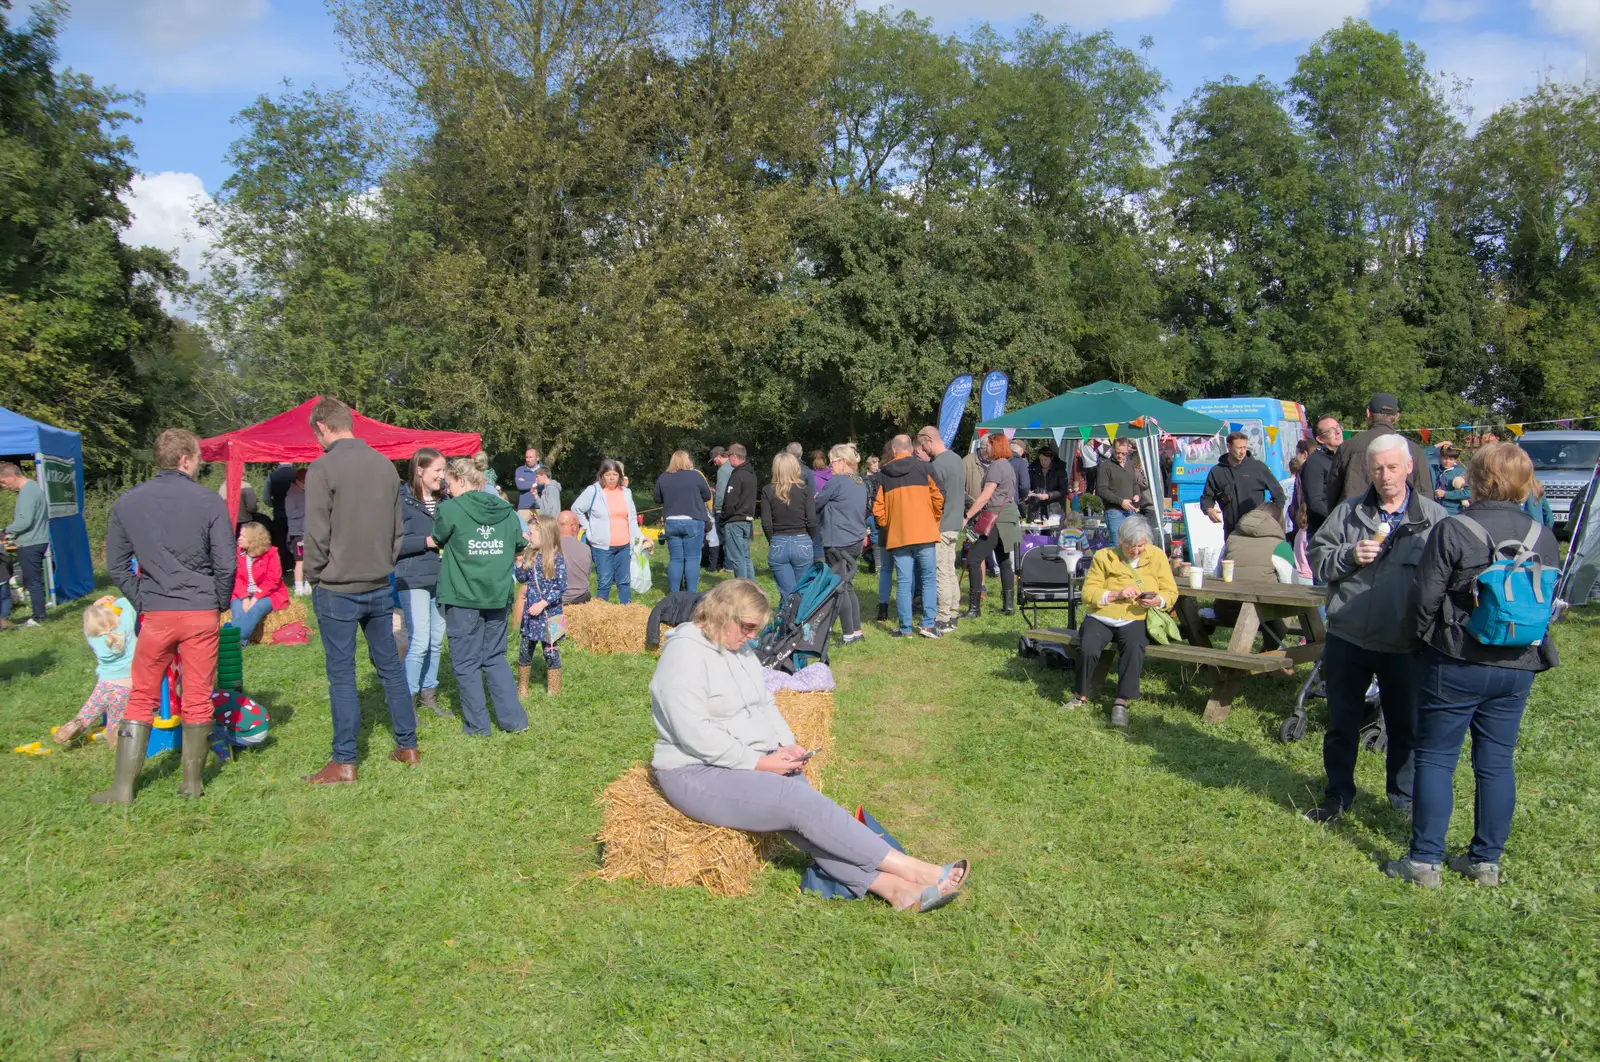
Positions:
(1124, 583)
(724, 756)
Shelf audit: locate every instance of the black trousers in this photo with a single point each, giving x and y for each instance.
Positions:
(843, 564)
(1095, 637)
(30, 559)
(978, 553)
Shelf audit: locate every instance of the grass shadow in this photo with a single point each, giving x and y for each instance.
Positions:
(28, 666)
(1050, 681)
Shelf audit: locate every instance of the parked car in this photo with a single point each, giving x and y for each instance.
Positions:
(1564, 461)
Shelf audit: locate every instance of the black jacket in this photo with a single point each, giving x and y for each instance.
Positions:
(1349, 476)
(798, 517)
(418, 566)
(675, 609)
(1442, 596)
(1313, 487)
(1237, 489)
(1054, 482)
(739, 502)
(183, 539)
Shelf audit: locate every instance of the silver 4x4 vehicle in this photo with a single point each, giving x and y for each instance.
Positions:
(1564, 461)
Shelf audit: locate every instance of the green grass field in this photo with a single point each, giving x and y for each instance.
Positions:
(1152, 894)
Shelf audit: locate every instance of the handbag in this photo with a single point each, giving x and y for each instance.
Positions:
(1161, 627)
(984, 522)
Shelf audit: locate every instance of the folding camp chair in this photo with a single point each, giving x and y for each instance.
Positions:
(1046, 582)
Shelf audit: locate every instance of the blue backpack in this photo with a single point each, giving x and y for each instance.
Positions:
(1514, 595)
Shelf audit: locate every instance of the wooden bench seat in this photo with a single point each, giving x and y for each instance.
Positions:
(1188, 654)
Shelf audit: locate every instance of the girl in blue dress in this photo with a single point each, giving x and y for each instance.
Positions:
(542, 571)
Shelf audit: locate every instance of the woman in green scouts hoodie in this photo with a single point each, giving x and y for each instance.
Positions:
(479, 536)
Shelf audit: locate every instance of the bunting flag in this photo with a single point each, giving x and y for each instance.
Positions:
(1057, 433)
(1272, 433)
(1086, 432)
(1111, 432)
(1515, 429)
(1235, 426)
(1011, 433)
(1426, 433)
(1566, 425)
(1136, 423)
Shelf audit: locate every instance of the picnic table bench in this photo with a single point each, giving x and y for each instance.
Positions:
(1239, 660)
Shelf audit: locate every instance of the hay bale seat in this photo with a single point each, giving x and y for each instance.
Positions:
(601, 627)
(278, 618)
(646, 839)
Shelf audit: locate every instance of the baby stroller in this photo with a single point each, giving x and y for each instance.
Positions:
(1374, 737)
(798, 634)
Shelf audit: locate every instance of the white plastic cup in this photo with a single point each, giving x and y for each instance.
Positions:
(1197, 578)
(1227, 571)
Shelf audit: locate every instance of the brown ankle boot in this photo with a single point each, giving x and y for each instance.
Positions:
(524, 678)
(552, 682)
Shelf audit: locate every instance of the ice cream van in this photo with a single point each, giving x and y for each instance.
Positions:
(1273, 426)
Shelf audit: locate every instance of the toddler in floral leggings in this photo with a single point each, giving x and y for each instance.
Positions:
(108, 626)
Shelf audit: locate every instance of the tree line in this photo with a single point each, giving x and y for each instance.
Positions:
(628, 225)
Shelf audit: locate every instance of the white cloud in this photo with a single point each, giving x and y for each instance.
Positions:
(168, 26)
(163, 207)
(1274, 21)
(1571, 18)
(1087, 14)
(1504, 68)
(1451, 10)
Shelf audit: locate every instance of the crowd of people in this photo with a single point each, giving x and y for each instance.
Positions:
(466, 564)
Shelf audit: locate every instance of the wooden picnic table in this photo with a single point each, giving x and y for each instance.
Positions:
(1251, 595)
(1240, 659)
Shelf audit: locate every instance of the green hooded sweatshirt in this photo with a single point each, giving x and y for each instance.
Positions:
(480, 536)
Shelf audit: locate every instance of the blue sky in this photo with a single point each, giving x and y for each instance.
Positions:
(198, 62)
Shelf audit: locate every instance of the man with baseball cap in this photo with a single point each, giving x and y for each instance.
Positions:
(1349, 479)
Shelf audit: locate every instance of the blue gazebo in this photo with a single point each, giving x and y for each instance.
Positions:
(58, 462)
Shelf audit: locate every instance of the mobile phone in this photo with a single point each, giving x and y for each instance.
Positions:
(810, 754)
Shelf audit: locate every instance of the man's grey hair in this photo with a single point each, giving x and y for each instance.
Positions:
(796, 449)
(1386, 442)
(1133, 531)
(9, 470)
(1019, 448)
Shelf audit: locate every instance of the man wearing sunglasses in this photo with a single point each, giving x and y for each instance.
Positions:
(1313, 485)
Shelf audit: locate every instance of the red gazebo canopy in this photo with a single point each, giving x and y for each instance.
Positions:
(288, 437)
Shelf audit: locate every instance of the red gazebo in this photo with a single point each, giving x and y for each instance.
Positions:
(288, 437)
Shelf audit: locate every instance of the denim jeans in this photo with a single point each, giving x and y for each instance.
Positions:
(685, 539)
(5, 600)
(425, 634)
(1453, 698)
(818, 553)
(248, 619)
(611, 564)
(30, 561)
(1114, 518)
(885, 572)
(478, 655)
(736, 549)
(915, 562)
(1348, 669)
(789, 557)
(338, 616)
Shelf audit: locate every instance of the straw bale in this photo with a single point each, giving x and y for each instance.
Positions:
(601, 627)
(282, 617)
(646, 839)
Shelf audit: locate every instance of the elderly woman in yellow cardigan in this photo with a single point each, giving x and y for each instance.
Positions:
(1123, 584)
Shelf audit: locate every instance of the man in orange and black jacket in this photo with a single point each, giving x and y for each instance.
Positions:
(908, 506)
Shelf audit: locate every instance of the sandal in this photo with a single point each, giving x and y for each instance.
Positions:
(1073, 703)
(933, 899)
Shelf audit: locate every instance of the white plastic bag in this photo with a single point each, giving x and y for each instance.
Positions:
(639, 578)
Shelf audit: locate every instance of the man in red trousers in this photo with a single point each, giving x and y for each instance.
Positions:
(182, 537)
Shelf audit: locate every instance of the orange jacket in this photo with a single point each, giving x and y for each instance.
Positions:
(908, 504)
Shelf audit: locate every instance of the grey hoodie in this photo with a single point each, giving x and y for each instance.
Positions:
(711, 706)
(1369, 604)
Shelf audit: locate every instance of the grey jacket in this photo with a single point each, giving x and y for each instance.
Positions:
(183, 539)
(31, 518)
(354, 525)
(1369, 604)
(842, 508)
(711, 706)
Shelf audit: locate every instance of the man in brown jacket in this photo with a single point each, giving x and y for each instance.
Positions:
(353, 532)
(908, 507)
(1349, 479)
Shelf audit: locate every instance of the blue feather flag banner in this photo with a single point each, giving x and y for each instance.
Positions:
(992, 400)
(953, 406)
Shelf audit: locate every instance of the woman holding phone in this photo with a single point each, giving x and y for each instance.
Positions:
(1124, 583)
(724, 756)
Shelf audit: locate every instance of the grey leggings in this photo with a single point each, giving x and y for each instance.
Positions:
(772, 803)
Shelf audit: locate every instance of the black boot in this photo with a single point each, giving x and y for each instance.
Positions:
(195, 747)
(883, 611)
(974, 602)
(1008, 603)
(132, 740)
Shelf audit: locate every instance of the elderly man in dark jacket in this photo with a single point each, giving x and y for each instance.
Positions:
(181, 536)
(1348, 476)
(1238, 484)
(1367, 553)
